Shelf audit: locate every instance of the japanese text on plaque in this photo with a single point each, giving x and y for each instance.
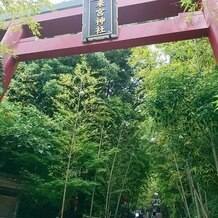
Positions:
(100, 19)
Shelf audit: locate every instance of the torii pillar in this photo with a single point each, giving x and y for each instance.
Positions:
(61, 31)
(210, 8)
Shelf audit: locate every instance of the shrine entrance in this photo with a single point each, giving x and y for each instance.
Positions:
(140, 22)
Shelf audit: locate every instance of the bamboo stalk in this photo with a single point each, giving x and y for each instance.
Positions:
(192, 191)
(111, 174)
(201, 203)
(209, 137)
(198, 198)
(99, 152)
(183, 199)
(70, 155)
(197, 206)
(214, 156)
(206, 202)
(123, 184)
(182, 188)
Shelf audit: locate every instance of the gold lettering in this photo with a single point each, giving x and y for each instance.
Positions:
(100, 12)
(100, 3)
(100, 30)
(100, 21)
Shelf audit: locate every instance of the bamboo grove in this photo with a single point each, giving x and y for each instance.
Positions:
(95, 135)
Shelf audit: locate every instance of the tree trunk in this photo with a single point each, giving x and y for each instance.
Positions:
(201, 203)
(182, 188)
(99, 153)
(107, 206)
(209, 137)
(70, 155)
(206, 202)
(123, 184)
(199, 196)
(197, 206)
(214, 155)
(194, 198)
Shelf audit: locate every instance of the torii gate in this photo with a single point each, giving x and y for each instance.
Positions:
(61, 31)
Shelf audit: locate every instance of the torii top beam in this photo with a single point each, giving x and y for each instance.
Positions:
(141, 22)
(69, 20)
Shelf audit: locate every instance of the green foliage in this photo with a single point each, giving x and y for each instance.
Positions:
(178, 83)
(119, 125)
(86, 99)
(189, 5)
(1, 76)
(125, 132)
(216, 101)
(119, 129)
(24, 139)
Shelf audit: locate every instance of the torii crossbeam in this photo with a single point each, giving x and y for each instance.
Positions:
(141, 22)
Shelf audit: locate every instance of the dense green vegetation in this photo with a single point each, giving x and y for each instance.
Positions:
(73, 125)
(178, 83)
(98, 134)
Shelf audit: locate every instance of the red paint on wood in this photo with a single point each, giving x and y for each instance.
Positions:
(11, 38)
(129, 36)
(130, 11)
(59, 22)
(211, 14)
(69, 21)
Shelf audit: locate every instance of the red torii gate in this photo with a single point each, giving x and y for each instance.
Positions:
(141, 22)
